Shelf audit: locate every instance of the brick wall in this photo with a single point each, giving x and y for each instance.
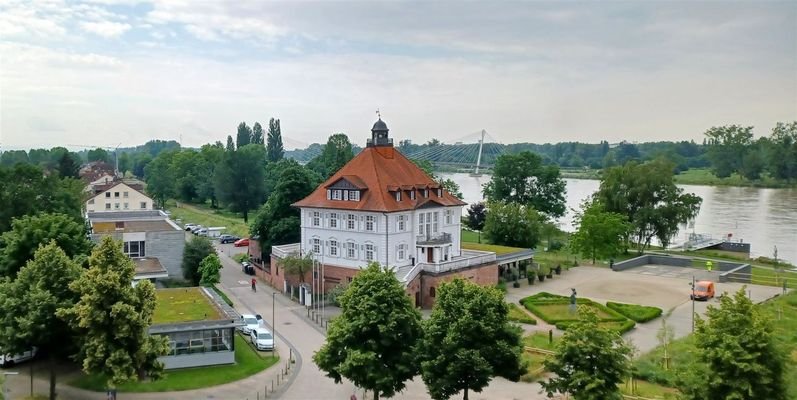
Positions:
(420, 286)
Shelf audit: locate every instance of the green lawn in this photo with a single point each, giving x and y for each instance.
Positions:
(248, 362)
(205, 216)
(517, 314)
(555, 310)
(539, 340)
(183, 305)
(783, 310)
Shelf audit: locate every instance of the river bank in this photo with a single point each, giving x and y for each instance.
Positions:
(696, 176)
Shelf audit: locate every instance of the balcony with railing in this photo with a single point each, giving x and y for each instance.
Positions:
(433, 239)
(468, 258)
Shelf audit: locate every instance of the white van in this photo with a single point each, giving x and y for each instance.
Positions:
(8, 360)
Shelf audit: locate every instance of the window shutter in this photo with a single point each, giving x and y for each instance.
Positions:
(329, 194)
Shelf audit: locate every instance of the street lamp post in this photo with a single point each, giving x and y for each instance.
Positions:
(693, 304)
(6, 394)
(274, 317)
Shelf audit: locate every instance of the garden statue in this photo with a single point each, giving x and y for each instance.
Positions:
(573, 301)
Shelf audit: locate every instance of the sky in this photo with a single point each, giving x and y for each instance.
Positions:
(104, 73)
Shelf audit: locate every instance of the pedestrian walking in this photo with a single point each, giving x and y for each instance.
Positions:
(254, 285)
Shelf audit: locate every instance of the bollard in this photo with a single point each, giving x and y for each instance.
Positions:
(258, 395)
(550, 336)
(272, 386)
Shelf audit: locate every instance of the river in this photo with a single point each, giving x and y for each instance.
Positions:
(763, 217)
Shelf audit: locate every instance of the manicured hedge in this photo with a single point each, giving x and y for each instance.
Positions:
(636, 312)
(536, 304)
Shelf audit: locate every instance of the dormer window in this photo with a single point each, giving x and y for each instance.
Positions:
(412, 195)
(354, 195)
(425, 192)
(336, 194)
(439, 192)
(398, 196)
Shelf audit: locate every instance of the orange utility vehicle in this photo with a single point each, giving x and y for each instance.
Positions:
(704, 290)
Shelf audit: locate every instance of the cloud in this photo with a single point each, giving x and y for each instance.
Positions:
(106, 29)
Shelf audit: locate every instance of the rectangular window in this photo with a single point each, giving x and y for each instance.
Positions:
(354, 195)
(351, 222)
(434, 225)
(329, 194)
(351, 250)
(412, 195)
(115, 206)
(107, 206)
(135, 249)
(127, 206)
(369, 252)
(345, 195)
(369, 223)
(402, 252)
(333, 248)
(108, 195)
(124, 195)
(116, 194)
(398, 195)
(402, 224)
(420, 223)
(316, 218)
(143, 205)
(333, 220)
(439, 192)
(336, 194)
(448, 217)
(316, 246)
(91, 201)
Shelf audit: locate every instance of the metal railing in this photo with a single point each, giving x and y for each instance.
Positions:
(468, 259)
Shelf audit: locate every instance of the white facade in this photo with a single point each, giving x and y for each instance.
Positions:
(353, 238)
(119, 198)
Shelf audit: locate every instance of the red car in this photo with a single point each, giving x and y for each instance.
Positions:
(241, 242)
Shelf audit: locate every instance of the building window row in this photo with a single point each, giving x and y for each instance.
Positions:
(422, 192)
(348, 249)
(135, 249)
(345, 195)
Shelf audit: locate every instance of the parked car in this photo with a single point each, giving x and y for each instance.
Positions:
(262, 339)
(8, 360)
(196, 229)
(189, 226)
(242, 242)
(202, 232)
(250, 322)
(704, 290)
(228, 239)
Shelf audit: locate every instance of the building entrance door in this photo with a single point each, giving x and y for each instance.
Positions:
(417, 299)
(430, 255)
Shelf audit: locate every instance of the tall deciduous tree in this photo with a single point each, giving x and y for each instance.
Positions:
(195, 250)
(337, 152)
(738, 357)
(513, 224)
(599, 234)
(468, 340)
(647, 196)
(257, 133)
(522, 178)
(274, 149)
(18, 245)
(26, 190)
(451, 187)
(244, 135)
(98, 154)
(209, 270)
(160, 177)
(29, 302)
(239, 179)
(112, 319)
(727, 146)
(477, 216)
(589, 361)
(782, 157)
(277, 222)
(373, 341)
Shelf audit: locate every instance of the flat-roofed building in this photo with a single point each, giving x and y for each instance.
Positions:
(144, 235)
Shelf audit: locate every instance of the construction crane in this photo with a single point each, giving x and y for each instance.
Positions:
(115, 153)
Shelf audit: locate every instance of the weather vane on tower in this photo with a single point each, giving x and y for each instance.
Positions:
(378, 114)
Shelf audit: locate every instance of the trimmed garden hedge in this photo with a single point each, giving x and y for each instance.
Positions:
(535, 302)
(518, 315)
(636, 312)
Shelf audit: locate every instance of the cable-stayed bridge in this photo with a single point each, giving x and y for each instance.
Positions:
(474, 153)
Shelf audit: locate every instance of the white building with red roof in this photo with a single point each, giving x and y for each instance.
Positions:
(382, 207)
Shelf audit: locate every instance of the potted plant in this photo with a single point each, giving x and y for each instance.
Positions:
(540, 276)
(549, 275)
(514, 274)
(558, 269)
(530, 278)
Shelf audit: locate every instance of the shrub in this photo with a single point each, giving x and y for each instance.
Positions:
(222, 295)
(530, 277)
(241, 257)
(636, 312)
(501, 285)
(555, 245)
(334, 294)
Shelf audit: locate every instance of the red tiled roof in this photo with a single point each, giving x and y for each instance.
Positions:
(381, 169)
